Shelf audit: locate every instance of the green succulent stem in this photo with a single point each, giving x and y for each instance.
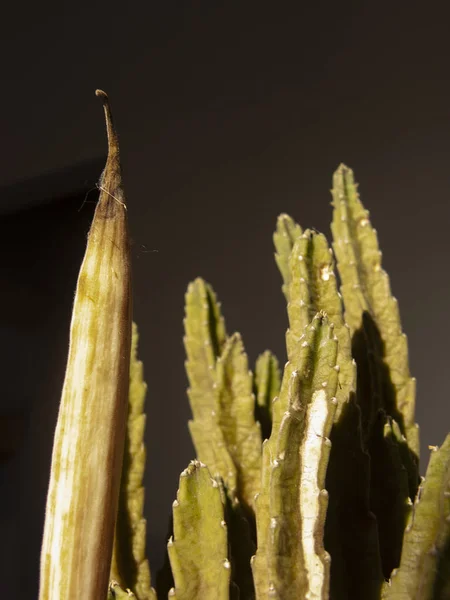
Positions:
(423, 573)
(286, 233)
(267, 384)
(198, 551)
(130, 565)
(291, 506)
(367, 297)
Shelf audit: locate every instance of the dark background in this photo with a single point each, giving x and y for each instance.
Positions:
(228, 113)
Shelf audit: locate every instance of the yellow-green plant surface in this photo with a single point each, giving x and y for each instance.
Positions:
(305, 484)
(89, 438)
(130, 565)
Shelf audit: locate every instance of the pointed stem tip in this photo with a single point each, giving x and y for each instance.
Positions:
(113, 143)
(102, 94)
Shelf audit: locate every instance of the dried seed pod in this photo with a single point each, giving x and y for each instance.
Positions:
(90, 432)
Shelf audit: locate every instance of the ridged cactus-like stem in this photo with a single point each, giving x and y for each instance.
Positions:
(312, 287)
(385, 389)
(204, 339)
(225, 434)
(286, 233)
(367, 294)
(290, 560)
(198, 551)
(130, 566)
(267, 387)
(241, 547)
(115, 592)
(389, 491)
(90, 432)
(236, 418)
(424, 569)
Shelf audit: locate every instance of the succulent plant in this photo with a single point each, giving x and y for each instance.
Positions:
(305, 483)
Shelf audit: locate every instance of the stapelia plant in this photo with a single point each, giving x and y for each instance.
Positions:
(306, 483)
